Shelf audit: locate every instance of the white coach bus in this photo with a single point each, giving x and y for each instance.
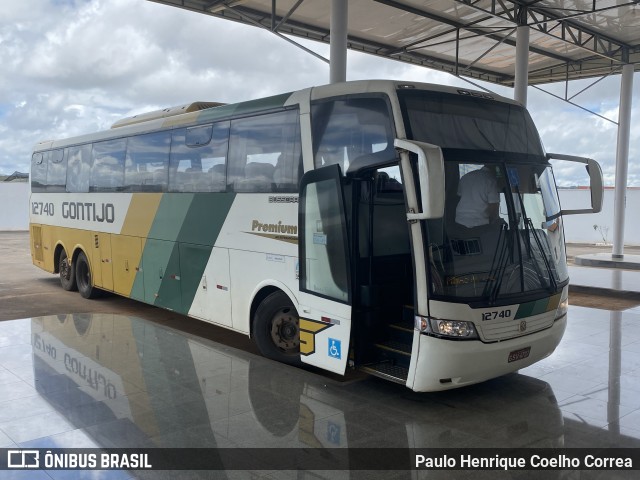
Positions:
(330, 224)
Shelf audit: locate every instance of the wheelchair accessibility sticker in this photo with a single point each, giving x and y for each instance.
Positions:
(335, 348)
(333, 433)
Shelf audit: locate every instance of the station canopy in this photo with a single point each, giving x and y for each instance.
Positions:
(472, 38)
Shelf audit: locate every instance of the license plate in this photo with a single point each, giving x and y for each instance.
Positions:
(519, 354)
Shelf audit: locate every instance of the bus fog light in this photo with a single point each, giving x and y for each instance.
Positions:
(453, 328)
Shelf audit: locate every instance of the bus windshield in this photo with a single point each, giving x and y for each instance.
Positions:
(469, 123)
(501, 235)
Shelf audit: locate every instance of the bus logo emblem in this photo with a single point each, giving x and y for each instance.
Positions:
(523, 325)
(308, 331)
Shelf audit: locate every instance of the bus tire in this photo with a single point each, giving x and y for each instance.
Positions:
(276, 329)
(67, 273)
(83, 277)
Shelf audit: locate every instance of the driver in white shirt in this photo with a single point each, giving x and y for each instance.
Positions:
(479, 198)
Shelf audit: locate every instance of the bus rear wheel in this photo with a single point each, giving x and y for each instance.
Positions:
(67, 273)
(276, 329)
(83, 277)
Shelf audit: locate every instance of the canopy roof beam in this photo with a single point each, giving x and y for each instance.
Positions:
(472, 27)
(579, 41)
(259, 24)
(285, 18)
(557, 26)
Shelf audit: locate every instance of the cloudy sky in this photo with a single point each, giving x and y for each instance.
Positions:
(69, 67)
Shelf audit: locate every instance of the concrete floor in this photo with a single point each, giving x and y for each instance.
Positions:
(176, 382)
(27, 291)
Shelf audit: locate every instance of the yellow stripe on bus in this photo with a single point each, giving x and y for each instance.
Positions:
(127, 247)
(141, 213)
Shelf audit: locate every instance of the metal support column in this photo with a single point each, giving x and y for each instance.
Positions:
(622, 160)
(522, 65)
(338, 41)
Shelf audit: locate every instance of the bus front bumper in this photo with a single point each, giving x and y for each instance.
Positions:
(446, 364)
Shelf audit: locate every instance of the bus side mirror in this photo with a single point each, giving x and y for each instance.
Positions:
(431, 175)
(595, 182)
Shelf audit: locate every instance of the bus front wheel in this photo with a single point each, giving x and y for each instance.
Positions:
(67, 273)
(83, 277)
(276, 329)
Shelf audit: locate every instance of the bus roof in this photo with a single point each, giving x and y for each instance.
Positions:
(165, 112)
(204, 112)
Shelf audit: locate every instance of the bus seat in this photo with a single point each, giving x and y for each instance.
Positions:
(218, 177)
(258, 177)
(283, 174)
(259, 170)
(219, 169)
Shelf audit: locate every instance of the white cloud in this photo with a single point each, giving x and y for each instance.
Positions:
(78, 66)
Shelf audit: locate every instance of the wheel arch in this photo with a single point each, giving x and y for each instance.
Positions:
(261, 292)
(56, 256)
(60, 246)
(92, 290)
(76, 251)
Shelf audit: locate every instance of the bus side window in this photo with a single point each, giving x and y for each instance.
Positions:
(107, 171)
(56, 171)
(147, 162)
(78, 168)
(180, 161)
(264, 153)
(288, 168)
(38, 172)
(213, 158)
(346, 129)
(198, 158)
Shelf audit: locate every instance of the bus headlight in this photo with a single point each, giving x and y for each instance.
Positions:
(447, 328)
(562, 308)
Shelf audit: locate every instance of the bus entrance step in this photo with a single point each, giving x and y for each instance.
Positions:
(402, 326)
(394, 373)
(396, 347)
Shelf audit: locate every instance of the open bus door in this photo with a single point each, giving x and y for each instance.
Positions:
(325, 276)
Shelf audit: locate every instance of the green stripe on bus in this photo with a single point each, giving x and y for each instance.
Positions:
(171, 215)
(203, 222)
(166, 225)
(537, 307)
(205, 217)
(524, 310)
(226, 111)
(175, 254)
(162, 279)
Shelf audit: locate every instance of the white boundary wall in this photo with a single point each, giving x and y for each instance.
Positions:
(14, 206)
(14, 213)
(579, 228)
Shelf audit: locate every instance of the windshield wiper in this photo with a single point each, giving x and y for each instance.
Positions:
(530, 229)
(552, 281)
(498, 266)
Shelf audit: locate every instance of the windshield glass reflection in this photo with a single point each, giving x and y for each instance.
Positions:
(501, 235)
